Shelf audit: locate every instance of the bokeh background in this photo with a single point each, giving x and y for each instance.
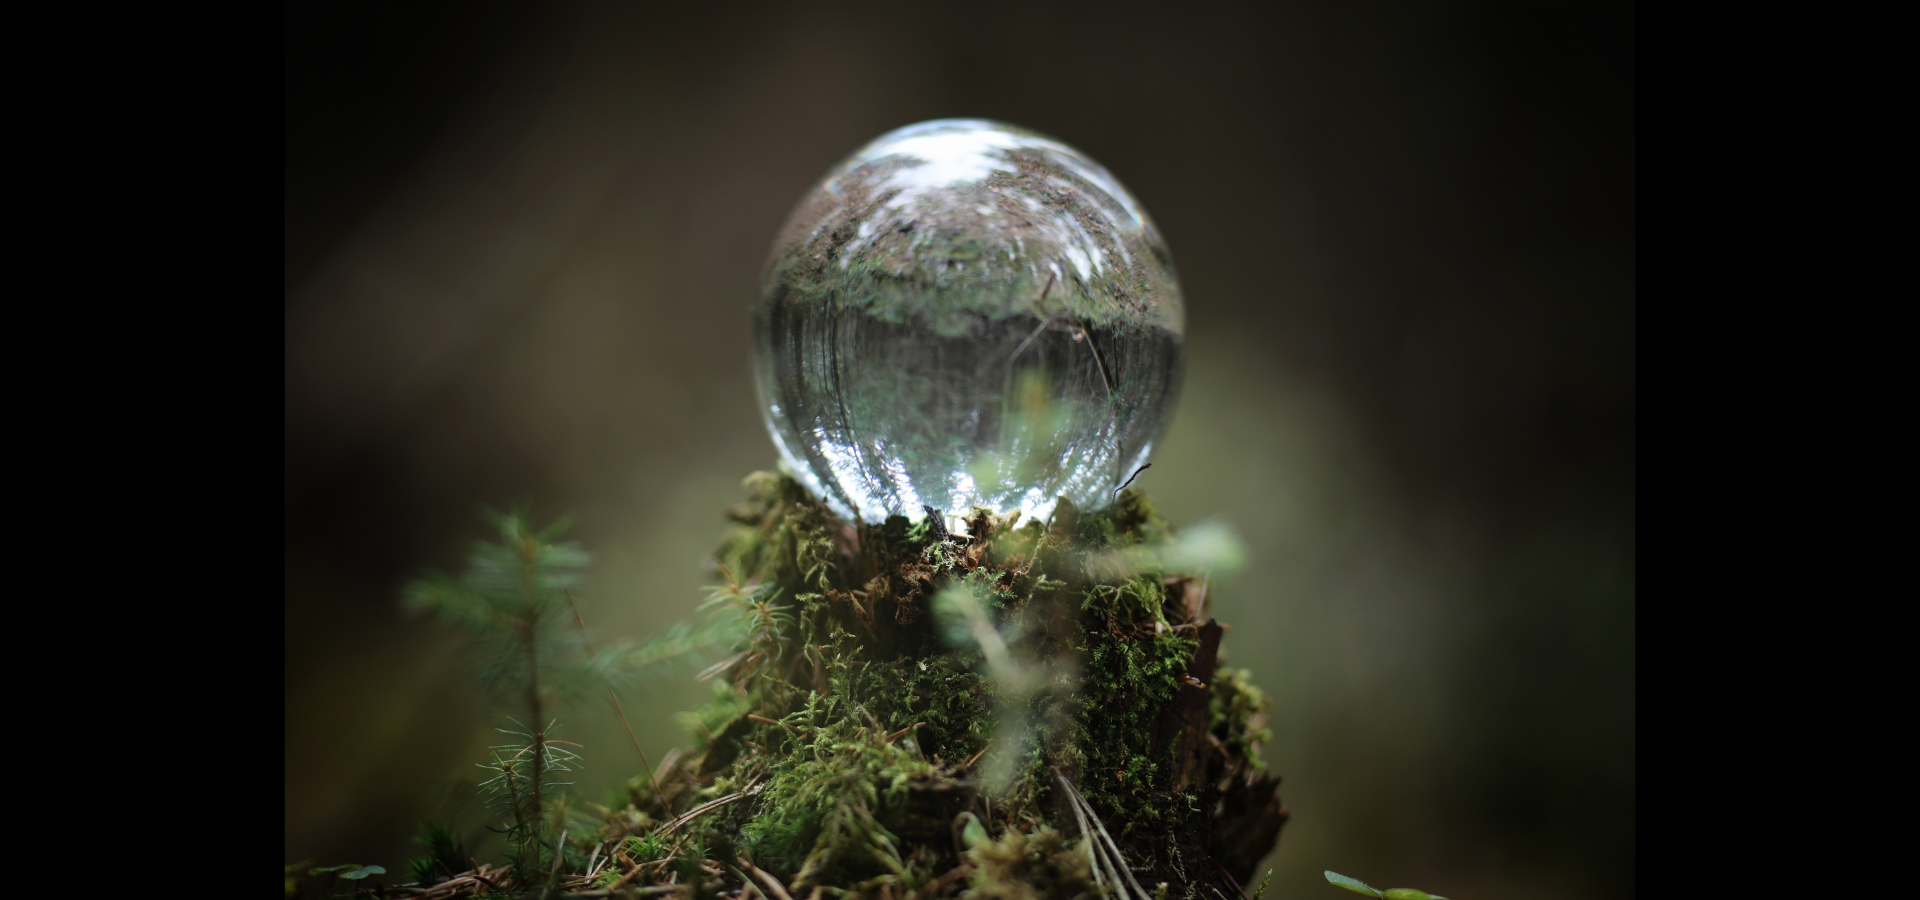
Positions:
(521, 245)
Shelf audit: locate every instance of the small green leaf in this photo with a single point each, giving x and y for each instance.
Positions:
(972, 834)
(325, 869)
(363, 872)
(1409, 894)
(1353, 884)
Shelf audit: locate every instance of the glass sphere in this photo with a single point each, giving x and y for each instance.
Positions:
(967, 314)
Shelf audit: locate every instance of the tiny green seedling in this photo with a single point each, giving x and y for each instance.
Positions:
(972, 833)
(1360, 887)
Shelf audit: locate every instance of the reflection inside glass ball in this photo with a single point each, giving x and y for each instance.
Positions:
(966, 314)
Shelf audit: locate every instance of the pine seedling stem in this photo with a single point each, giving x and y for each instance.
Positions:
(529, 550)
(513, 795)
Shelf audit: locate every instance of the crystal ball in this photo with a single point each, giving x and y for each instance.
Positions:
(967, 314)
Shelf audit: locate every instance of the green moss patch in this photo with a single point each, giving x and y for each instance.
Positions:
(906, 706)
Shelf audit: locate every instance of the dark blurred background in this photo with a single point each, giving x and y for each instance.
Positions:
(521, 245)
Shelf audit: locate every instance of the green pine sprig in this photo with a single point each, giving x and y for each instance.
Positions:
(532, 653)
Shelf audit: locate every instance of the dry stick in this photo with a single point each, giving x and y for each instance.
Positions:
(635, 870)
(773, 722)
(639, 892)
(1105, 379)
(1101, 851)
(1093, 855)
(483, 879)
(1113, 871)
(747, 888)
(617, 708)
(695, 812)
(896, 735)
(591, 858)
(1119, 862)
(720, 666)
(773, 884)
(937, 885)
(624, 878)
(1113, 847)
(1036, 332)
(1023, 344)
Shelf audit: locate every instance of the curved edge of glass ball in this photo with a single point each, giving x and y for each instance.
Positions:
(977, 244)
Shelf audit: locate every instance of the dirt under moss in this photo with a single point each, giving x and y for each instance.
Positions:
(917, 713)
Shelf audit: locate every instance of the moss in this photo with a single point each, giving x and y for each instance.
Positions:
(886, 668)
(1030, 866)
(1236, 714)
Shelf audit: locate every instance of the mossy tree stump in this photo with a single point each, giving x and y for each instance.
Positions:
(864, 742)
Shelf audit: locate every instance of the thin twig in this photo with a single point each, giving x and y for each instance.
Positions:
(1130, 478)
(747, 890)
(1023, 345)
(773, 884)
(720, 666)
(624, 878)
(695, 812)
(1081, 334)
(617, 708)
(1119, 862)
(591, 858)
(477, 876)
(649, 890)
(896, 735)
(1086, 835)
(773, 722)
(937, 885)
